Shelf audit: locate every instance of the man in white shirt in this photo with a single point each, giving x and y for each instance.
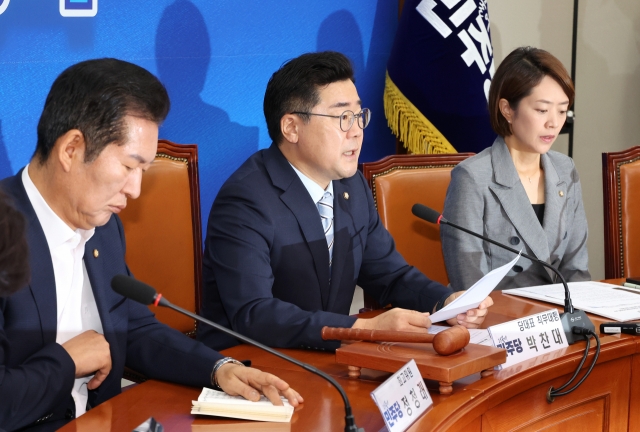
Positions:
(66, 338)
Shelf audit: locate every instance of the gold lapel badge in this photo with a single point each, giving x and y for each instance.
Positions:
(346, 195)
(96, 254)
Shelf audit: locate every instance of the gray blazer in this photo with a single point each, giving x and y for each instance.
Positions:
(485, 195)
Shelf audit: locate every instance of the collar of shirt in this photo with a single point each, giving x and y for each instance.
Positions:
(314, 189)
(56, 231)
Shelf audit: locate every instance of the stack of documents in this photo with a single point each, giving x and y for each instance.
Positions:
(610, 301)
(217, 403)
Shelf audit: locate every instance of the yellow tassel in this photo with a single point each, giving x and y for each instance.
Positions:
(418, 134)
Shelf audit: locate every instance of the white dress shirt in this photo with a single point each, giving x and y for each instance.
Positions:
(314, 189)
(77, 311)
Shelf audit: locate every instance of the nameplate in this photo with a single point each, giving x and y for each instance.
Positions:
(529, 337)
(402, 398)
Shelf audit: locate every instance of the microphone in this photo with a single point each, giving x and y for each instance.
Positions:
(570, 318)
(142, 293)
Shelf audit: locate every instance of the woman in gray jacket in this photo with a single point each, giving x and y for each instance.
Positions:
(518, 191)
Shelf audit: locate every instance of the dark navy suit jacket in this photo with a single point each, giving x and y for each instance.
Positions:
(266, 263)
(37, 374)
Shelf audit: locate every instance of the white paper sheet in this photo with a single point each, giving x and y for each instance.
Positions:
(472, 297)
(210, 395)
(607, 300)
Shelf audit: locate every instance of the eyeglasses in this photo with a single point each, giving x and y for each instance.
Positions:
(347, 118)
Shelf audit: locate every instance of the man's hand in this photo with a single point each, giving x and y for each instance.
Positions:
(249, 383)
(397, 319)
(90, 353)
(473, 317)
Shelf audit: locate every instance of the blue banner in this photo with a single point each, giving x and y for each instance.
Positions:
(438, 77)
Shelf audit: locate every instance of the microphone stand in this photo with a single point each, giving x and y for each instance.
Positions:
(570, 318)
(350, 425)
(575, 323)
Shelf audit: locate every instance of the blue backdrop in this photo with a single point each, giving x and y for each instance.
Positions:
(215, 57)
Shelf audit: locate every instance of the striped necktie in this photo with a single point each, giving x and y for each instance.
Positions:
(325, 208)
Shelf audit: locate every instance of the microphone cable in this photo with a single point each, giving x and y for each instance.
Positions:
(586, 333)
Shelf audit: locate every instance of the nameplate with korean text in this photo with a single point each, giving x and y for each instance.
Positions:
(402, 398)
(529, 337)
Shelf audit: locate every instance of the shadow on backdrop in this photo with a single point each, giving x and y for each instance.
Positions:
(5, 165)
(183, 53)
(340, 32)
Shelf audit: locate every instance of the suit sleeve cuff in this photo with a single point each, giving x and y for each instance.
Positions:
(66, 367)
(330, 320)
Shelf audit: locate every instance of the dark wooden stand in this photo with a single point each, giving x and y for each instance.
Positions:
(390, 357)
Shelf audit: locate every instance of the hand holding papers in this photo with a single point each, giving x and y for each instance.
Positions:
(472, 297)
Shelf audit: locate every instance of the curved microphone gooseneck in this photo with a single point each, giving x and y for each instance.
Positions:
(147, 295)
(575, 323)
(430, 215)
(570, 318)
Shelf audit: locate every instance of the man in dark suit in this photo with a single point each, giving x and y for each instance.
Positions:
(294, 229)
(14, 253)
(66, 338)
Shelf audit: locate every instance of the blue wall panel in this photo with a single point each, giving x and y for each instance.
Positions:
(214, 56)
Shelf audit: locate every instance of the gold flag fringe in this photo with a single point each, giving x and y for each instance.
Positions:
(418, 134)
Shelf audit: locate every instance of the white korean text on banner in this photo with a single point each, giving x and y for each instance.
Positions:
(438, 77)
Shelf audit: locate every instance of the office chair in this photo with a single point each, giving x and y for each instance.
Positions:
(620, 177)
(397, 183)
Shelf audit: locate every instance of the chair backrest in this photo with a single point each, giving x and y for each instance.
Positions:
(620, 177)
(164, 234)
(400, 181)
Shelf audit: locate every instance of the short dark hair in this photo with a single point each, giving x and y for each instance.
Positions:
(517, 75)
(14, 253)
(94, 96)
(294, 87)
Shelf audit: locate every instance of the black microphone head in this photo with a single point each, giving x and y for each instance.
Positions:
(133, 289)
(426, 213)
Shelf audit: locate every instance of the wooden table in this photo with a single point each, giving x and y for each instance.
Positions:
(514, 398)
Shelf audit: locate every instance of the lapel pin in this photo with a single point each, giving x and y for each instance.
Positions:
(561, 193)
(346, 195)
(96, 254)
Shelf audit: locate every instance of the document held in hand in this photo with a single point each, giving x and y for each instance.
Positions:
(217, 403)
(472, 297)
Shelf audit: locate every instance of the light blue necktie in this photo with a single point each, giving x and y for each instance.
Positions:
(325, 208)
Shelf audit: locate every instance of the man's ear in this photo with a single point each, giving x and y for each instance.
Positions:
(69, 149)
(289, 124)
